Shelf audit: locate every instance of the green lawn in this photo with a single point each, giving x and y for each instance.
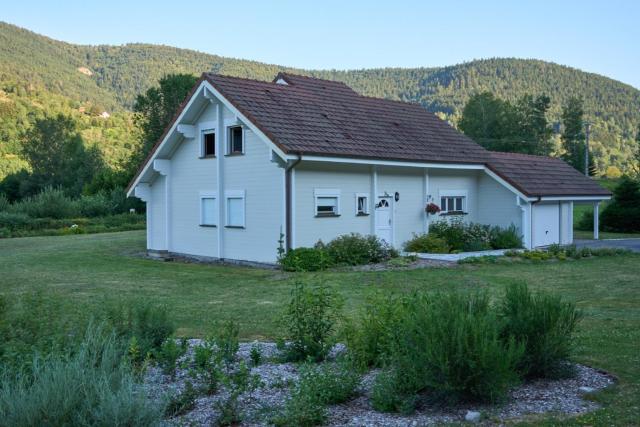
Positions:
(87, 269)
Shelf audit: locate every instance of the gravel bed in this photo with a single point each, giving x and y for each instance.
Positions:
(564, 396)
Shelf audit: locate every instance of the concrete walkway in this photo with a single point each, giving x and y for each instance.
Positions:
(456, 257)
(631, 244)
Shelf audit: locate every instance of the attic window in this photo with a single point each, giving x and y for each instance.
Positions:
(208, 144)
(236, 140)
(282, 81)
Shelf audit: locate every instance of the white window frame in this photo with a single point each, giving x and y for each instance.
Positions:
(326, 192)
(454, 193)
(202, 142)
(229, 142)
(208, 195)
(366, 204)
(235, 194)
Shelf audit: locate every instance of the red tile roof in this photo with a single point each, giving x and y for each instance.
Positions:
(310, 116)
(320, 117)
(543, 176)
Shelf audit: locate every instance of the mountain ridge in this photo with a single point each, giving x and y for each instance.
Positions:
(120, 73)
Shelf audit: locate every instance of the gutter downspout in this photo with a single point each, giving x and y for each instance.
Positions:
(288, 200)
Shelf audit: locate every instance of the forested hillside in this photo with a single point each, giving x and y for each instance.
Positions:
(39, 75)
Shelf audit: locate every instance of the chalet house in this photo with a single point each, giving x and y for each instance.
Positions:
(245, 162)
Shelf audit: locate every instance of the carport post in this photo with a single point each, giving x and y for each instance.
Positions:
(596, 218)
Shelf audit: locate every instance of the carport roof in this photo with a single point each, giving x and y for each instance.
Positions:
(543, 176)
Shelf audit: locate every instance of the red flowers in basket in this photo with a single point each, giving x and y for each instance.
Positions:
(432, 208)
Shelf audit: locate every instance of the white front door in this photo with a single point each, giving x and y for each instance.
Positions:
(384, 215)
(546, 224)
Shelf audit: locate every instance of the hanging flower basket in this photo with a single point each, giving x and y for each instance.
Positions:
(432, 208)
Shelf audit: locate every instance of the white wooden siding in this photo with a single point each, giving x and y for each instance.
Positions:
(442, 181)
(254, 173)
(566, 223)
(350, 179)
(263, 183)
(156, 205)
(496, 204)
(191, 176)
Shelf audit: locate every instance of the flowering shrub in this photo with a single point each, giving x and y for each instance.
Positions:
(432, 209)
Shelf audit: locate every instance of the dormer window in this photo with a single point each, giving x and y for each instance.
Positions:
(208, 144)
(236, 140)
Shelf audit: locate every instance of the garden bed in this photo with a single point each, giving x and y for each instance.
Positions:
(565, 396)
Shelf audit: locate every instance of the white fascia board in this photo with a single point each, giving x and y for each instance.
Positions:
(244, 119)
(166, 138)
(387, 162)
(574, 198)
(508, 186)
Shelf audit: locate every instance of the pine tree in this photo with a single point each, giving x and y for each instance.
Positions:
(573, 137)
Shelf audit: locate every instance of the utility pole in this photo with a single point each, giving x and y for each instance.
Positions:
(587, 126)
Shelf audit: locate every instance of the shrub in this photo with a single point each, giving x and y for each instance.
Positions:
(95, 205)
(226, 341)
(237, 382)
(427, 243)
(15, 220)
(49, 203)
(169, 353)
(202, 355)
(183, 402)
(585, 223)
(506, 238)
(451, 231)
(35, 323)
(623, 213)
(305, 259)
(91, 387)
(461, 236)
(317, 387)
(475, 246)
(149, 323)
(208, 364)
(390, 394)
(356, 249)
(450, 345)
(369, 336)
(310, 321)
(544, 324)
(4, 202)
(256, 354)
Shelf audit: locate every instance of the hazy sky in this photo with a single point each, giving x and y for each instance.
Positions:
(597, 36)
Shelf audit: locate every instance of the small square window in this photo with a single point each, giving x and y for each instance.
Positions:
(327, 202)
(208, 211)
(236, 140)
(452, 204)
(209, 144)
(235, 212)
(362, 204)
(326, 206)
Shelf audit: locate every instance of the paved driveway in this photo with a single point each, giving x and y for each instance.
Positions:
(632, 244)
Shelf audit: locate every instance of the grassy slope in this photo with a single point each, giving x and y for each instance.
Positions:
(87, 269)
